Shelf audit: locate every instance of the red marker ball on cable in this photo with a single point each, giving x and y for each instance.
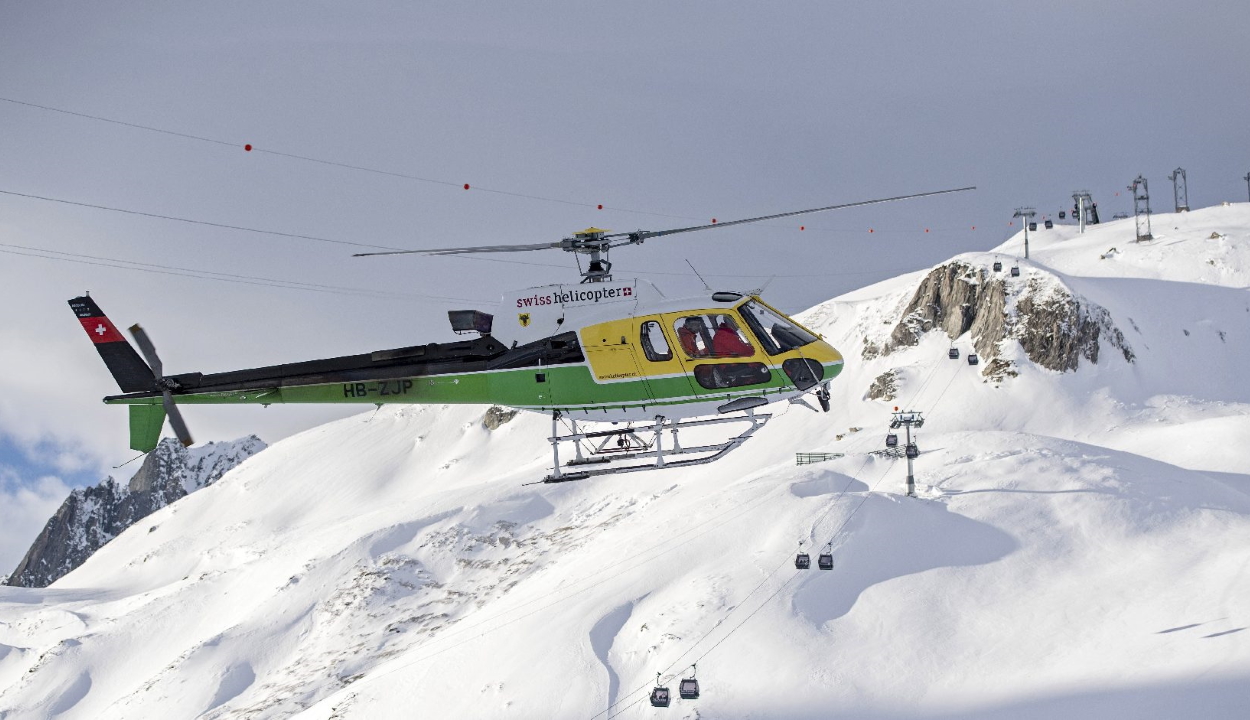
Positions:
(802, 228)
(600, 206)
(248, 147)
(466, 186)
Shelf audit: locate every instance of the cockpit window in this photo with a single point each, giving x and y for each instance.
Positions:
(775, 332)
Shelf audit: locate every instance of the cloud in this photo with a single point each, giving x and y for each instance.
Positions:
(24, 509)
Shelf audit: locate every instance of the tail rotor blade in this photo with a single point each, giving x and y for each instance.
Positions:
(148, 349)
(175, 420)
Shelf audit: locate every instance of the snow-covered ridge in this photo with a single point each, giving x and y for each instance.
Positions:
(1078, 548)
(91, 517)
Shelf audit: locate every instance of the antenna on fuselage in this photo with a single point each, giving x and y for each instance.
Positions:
(696, 273)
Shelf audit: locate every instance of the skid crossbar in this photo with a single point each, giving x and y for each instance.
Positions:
(609, 447)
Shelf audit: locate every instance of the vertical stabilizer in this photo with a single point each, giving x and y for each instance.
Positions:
(128, 369)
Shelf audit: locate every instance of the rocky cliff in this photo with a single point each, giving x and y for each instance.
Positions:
(1055, 327)
(91, 517)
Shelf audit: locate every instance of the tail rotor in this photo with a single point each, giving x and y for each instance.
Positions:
(164, 384)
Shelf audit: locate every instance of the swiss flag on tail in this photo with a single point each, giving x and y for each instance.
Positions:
(129, 370)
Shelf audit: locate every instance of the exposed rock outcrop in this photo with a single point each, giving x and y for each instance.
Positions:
(1056, 329)
(1054, 326)
(496, 416)
(885, 387)
(950, 298)
(91, 517)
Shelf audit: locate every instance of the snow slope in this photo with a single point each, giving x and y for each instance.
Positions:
(1080, 546)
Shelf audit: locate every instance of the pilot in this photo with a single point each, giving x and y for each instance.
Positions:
(728, 342)
(690, 334)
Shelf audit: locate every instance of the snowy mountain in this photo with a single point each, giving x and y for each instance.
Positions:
(91, 517)
(1080, 545)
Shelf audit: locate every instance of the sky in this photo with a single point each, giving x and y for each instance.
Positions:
(667, 114)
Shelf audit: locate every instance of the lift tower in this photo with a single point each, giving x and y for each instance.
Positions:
(1247, 179)
(1028, 214)
(909, 419)
(1141, 208)
(1083, 209)
(1180, 189)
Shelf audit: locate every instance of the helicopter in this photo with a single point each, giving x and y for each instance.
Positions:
(600, 351)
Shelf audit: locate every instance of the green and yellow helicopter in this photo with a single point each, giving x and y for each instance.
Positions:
(599, 351)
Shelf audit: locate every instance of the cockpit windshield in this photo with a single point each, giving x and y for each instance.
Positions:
(775, 332)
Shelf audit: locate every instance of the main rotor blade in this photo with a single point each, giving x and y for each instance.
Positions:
(147, 348)
(175, 420)
(639, 235)
(463, 250)
(645, 234)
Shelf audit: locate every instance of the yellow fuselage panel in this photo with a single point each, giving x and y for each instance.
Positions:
(614, 350)
(610, 349)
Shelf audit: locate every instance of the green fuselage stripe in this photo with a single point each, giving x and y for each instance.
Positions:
(563, 386)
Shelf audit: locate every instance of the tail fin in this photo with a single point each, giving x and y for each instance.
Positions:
(146, 422)
(128, 369)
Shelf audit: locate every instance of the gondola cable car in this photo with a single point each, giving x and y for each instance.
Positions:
(972, 359)
(825, 561)
(689, 687)
(891, 440)
(659, 694)
(802, 561)
(913, 452)
(953, 354)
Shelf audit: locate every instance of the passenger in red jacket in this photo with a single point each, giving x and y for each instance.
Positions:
(728, 340)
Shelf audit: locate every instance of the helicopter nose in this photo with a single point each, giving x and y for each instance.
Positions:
(831, 359)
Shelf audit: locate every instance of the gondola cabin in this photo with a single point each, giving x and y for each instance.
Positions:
(891, 440)
(660, 697)
(803, 561)
(688, 689)
(953, 354)
(972, 359)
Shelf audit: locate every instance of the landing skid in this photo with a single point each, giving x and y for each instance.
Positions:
(608, 447)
